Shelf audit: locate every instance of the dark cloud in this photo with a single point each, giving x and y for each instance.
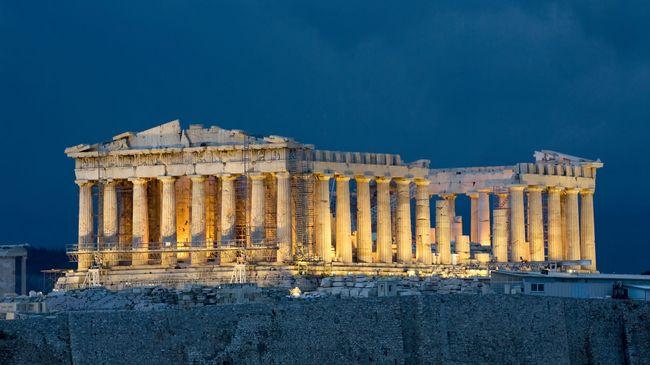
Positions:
(460, 83)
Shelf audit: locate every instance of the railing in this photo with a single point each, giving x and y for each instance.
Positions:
(152, 247)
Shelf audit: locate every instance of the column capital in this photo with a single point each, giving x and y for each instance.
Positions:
(403, 181)
(448, 196)
(197, 178)
(323, 177)
(228, 176)
(421, 181)
(516, 187)
(572, 191)
(587, 191)
(167, 179)
(138, 180)
(282, 174)
(383, 179)
(82, 182)
(484, 190)
(472, 194)
(535, 188)
(342, 178)
(362, 179)
(109, 182)
(555, 189)
(257, 176)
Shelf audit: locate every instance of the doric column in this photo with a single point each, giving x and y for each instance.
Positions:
(519, 249)
(462, 249)
(257, 208)
(500, 235)
(587, 231)
(563, 229)
(168, 218)
(283, 216)
(403, 216)
(422, 223)
(343, 223)
(140, 220)
(384, 234)
(443, 231)
(572, 224)
(364, 220)
(197, 219)
(536, 223)
(110, 214)
(451, 199)
(323, 219)
(555, 250)
(85, 223)
(484, 218)
(228, 216)
(473, 203)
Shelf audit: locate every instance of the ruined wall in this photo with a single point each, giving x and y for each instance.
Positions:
(449, 329)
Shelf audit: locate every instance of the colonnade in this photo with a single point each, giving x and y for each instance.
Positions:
(140, 239)
(343, 251)
(516, 232)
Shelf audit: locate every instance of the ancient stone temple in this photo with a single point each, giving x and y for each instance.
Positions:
(204, 197)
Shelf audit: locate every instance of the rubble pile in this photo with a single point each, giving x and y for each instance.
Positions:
(145, 298)
(364, 286)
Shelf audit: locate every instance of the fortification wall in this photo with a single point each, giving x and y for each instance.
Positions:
(442, 329)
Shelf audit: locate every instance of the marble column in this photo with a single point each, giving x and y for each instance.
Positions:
(462, 249)
(283, 216)
(536, 223)
(572, 224)
(587, 231)
(343, 222)
(473, 203)
(443, 231)
(257, 208)
(555, 250)
(563, 228)
(519, 248)
(384, 234)
(85, 237)
(168, 218)
(403, 224)
(364, 220)
(110, 214)
(228, 215)
(197, 219)
(484, 218)
(422, 223)
(324, 220)
(140, 237)
(500, 235)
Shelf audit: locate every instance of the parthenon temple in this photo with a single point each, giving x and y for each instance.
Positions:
(170, 197)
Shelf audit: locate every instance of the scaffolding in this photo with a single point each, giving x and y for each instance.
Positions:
(300, 167)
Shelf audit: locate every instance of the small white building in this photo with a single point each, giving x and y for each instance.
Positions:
(571, 285)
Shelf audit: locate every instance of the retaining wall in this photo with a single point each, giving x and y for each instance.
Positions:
(434, 329)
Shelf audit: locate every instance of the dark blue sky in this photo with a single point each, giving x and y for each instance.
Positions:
(460, 83)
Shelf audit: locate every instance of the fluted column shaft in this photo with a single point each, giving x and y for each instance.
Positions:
(343, 223)
(555, 250)
(228, 208)
(283, 216)
(257, 208)
(324, 222)
(140, 237)
(473, 218)
(384, 234)
(404, 240)
(422, 223)
(519, 249)
(484, 218)
(572, 224)
(536, 223)
(364, 220)
(168, 217)
(500, 235)
(587, 231)
(85, 233)
(110, 214)
(197, 220)
(443, 231)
